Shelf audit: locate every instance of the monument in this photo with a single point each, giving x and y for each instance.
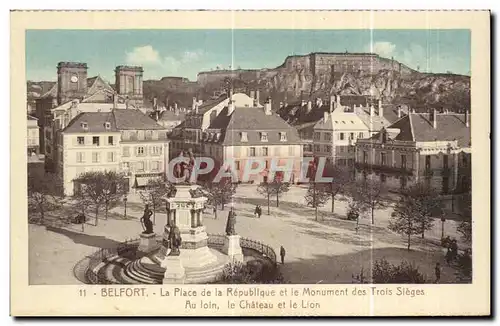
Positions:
(232, 246)
(148, 237)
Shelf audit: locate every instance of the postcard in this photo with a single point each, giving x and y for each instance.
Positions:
(250, 163)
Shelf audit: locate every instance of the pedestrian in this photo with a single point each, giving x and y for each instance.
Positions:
(282, 254)
(256, 211)
(259, 211)
(454, 249)
(437, 271)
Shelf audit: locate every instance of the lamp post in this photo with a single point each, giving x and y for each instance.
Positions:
(442, 226)
(125, 203)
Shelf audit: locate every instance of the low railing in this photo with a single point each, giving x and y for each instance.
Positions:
(217, 240)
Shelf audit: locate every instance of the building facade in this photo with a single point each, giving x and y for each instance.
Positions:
(247, 135)
(187, 136)
(74, 93)
(420, 147)
(33, 138)
(123, 140)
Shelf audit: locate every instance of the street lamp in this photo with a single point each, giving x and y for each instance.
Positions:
(442, 226)
(125, 203)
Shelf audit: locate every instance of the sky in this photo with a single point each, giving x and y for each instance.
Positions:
(184, 53)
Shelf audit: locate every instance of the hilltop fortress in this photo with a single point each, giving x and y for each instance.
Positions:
(322, 67)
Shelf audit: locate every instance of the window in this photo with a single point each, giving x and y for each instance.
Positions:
(80, 140)
(445, 162)
(282, 136)
(403, 161)
(360, 135)
(140, 166)
(263, 136)
(111, 157)
(107, 125)
(95, 140)
(291, 151)
(244, 137)
(140, 134)
(156, 150)
(85, 126)
(252, 151)
(155, 166)
(126, 151)
(383, 158)
(427, 162)
(365, 157)
(383, 178)
(328, 136)
(264, 151)
(80, 157)
(110, 140)
(351, 136)
(149, 134)
(237, 164)
(277, 151)
(316, 148)
(126, 166)
(267, 164)
(96, 157)
(341, 149)
(317, 136)
(341, 136)
(328, 148)
(140, 151)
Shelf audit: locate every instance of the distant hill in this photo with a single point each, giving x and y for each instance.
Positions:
(298, 77)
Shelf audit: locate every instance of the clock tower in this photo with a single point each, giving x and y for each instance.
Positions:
(71, 81)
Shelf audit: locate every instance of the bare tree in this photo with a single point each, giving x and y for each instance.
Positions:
(43, 192)
(371, 193)
(342, 179)
(219, 193)
(113, 188)
(155, 191)
(316, 196)
(92, 188)
(413, 212)
(275, 188)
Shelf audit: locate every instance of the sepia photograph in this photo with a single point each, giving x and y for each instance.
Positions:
(251, 156)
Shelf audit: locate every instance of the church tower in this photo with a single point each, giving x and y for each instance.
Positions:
(128, 81)
(71, 81)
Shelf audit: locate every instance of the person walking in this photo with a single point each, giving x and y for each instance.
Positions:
(437, 271)
(258, 211)
(282, 254)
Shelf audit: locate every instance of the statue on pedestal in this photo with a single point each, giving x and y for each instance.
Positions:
(184, 169)
(174, 240)
(231, 221)
(146, 220)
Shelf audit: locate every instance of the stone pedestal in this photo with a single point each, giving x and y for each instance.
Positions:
(147, 242)
(174, 270)
(232, 248)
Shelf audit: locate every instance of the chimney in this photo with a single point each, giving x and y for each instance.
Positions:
(399, 111)
(380, 108)
(115, 101)
(309, 106)
(332, 101)
(257, 96)
(467, 123)
(433, 118)
(325, 116)
(268, 106)
(372, 109)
